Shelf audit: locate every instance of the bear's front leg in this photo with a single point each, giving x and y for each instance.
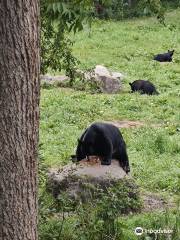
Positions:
(106, 161)
(125, 165)
(126, 168)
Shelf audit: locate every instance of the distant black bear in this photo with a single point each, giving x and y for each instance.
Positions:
(164, 57)
(103, 140)
(144, 87)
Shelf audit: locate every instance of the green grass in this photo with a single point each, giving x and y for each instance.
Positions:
(154, 151)
(128, 47)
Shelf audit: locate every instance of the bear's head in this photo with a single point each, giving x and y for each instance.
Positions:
(171, 52)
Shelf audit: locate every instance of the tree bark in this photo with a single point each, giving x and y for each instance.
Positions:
(19, 118)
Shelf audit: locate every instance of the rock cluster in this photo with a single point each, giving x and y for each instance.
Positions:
(106, 80)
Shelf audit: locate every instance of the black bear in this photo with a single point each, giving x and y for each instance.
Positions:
(164, 57)
(103, 140)
(144, 87)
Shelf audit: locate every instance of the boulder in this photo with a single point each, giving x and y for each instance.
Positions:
(79, 180)
(109, 82)
(117, 75)
(106, 81)
(101, 71)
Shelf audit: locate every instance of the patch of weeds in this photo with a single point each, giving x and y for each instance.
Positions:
(90, 85)
(103, 221)
(94, 219)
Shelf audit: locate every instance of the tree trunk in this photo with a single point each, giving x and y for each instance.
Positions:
(19, 118)
(130, 3)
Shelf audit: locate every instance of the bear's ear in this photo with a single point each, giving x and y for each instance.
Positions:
(130, 84)
(171, 52)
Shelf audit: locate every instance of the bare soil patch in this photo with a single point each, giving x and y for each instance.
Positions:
(130, 124)
(153, 202)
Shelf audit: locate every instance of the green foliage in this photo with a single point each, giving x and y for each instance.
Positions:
(71, 14)
(44, 199)
(121, 198)
(56, 52)
(153, 6)
(82, 83)
(57, 20)
(103, 210)
(85, 223)
(119, 10)
(169, 4)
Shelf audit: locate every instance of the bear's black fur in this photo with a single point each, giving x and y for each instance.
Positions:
(103, 140)
(164, 57)
(144, 87)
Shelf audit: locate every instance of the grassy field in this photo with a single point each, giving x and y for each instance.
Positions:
(154, 149)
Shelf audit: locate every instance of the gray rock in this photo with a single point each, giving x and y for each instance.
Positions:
(101, 71)
(107, 81)
(118, 75)
(61, 78)
(53, 80)
(45, 77)
(77, 180)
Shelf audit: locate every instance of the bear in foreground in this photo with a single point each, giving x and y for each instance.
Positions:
(144, 87)
(105, 141)
(164, 57)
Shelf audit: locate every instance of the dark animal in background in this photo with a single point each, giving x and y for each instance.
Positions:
(144, 87)
(103, 140)
(164, 57)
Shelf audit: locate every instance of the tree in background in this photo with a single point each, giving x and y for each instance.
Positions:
(58, 18)
(19, 118)
(56, 53)
(120, 9)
